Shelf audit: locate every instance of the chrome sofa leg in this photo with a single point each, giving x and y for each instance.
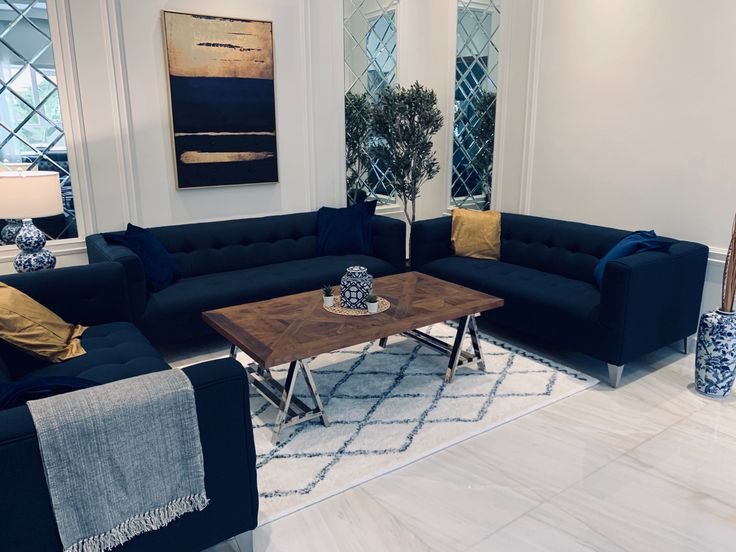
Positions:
(614, 374)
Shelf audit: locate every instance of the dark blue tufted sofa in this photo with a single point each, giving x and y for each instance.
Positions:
(545, 276)
(96, 295)
(240, 261)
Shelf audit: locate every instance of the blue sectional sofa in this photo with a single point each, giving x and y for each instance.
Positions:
(240, 261)
(97, 296)
(545, 276)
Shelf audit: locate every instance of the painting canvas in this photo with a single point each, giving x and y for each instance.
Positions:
(223, 111)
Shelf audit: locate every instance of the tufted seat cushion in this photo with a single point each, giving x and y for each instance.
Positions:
(114, 351)
(177, 310)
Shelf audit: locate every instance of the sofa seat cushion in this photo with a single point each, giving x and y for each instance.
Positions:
(560, 310)
(114, 351)
(175, 313)
(517, 284)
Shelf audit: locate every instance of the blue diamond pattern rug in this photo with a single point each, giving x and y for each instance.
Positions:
(390, 407)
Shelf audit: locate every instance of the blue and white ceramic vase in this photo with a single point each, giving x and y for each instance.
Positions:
(33, 256)
(355, 286)
(715, 359)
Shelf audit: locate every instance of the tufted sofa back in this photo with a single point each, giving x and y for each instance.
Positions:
(570, 249)
(211, 247)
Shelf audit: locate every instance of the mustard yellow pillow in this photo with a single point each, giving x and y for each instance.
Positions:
(476, 234)
(31, 327)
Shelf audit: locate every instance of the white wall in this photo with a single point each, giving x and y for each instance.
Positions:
(117, 92)
(629, 123)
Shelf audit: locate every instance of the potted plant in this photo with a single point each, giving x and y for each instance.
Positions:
(371, 301)
(715, 360)
(403, 124)
(328, 299)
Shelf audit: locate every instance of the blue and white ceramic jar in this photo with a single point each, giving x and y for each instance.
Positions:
(355, 286)
(715, 360)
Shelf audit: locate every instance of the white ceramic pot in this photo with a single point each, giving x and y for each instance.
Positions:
(372, 307)
(328, 301)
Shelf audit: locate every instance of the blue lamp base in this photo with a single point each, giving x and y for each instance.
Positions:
(33, 256)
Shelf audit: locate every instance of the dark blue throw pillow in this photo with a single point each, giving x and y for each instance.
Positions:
(345, 231)
(17, 393)
(161, 270)
(641, 240)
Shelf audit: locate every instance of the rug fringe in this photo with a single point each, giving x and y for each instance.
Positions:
(150, 521)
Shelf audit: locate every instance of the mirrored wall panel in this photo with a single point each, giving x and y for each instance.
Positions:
(370, 66)
(476, 68)
(31, 130)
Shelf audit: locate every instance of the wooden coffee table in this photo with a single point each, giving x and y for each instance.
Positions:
(295, 328)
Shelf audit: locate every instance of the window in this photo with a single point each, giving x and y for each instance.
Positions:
(370, 66)
(476, 67)
(31, 130)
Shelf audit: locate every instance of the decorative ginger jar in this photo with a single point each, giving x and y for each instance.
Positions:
(715, 359)
(355, 286)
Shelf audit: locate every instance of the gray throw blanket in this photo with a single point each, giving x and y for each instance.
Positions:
(121, 459)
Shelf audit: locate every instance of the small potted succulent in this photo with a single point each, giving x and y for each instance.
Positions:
(328, 299)
(371, 301)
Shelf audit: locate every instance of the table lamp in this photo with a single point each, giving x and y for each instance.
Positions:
(27, 195)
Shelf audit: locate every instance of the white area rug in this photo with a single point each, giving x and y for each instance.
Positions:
(390, 407)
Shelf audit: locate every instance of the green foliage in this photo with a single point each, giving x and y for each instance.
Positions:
(371, 298)
(404, 122)
(484, 136)
(327, 290)
(358, 114)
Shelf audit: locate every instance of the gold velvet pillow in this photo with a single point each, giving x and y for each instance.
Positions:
(31, 327)
(476, 234)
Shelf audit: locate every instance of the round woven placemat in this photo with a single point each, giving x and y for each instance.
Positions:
(383, 305)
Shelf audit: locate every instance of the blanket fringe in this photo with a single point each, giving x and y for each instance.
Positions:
(150, 521)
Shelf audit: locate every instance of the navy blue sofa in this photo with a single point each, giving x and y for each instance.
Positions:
(240, 261)
(545, 276)
(97, 296)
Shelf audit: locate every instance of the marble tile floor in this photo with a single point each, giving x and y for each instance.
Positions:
(645, 467)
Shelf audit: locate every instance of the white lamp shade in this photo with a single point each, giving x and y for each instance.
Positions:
(29, 194)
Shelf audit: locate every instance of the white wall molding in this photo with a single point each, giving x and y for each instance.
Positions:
(311, 188)
(67, 77)
(117, 73)
(502, 101)
(449, 127)
(530, 114)
(717, 255)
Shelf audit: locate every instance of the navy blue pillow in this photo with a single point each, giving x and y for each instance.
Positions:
(161, 270)
(345, 231)
(641, 240)
(17, 393)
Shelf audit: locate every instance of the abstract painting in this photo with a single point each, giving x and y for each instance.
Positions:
(223, 110)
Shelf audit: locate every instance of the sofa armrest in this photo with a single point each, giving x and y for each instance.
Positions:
(221, 393)
(430, 240)
(89, 295)
(651, 299)
(389, 241)
(98, 250)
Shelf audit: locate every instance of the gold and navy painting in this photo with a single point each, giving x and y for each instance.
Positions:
(222, 100)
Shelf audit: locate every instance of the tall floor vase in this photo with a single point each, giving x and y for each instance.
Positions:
(715, 360)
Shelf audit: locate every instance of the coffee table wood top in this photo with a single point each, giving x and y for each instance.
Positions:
(295, 327)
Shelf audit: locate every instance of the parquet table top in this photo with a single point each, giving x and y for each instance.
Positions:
(294, 327)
